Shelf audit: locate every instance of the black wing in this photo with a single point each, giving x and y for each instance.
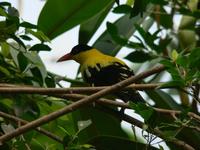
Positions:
(109, 75)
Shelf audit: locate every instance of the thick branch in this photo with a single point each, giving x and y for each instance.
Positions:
(39, 129)
(78, 104)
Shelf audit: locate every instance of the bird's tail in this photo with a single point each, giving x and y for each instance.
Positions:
(130, 95)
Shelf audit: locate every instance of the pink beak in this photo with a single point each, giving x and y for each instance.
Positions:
(65, 57)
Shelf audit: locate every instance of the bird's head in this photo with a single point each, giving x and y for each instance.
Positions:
(78, 53)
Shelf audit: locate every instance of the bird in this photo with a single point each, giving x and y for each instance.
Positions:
(99, 69)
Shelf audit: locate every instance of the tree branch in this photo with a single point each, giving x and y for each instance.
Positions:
(39, 129)
(140, 124)
(78, 104)
(125, 105)
(20, 89)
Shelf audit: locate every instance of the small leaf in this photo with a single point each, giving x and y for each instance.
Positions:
(39, 35)
(139, 56)
(5, 71)
(37, 75)
(22, 61)
(117, 1)
(138, 7)
(122, 9)
(182, 61)
(7, 128)
(112, 29)
(167, 63)
(50, 82)
(28, 25)
(67, 139)
(173, 84)
(194, 58)
(19, 41)
(145, 111)
(174, 55)
(5, 4)
(40, 47)
(84, 124)
(2, 12)
(25, 37)
(5, 49)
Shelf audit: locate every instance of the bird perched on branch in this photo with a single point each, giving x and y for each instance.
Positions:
(99, 69)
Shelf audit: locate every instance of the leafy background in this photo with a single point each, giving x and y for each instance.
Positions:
(147, 30)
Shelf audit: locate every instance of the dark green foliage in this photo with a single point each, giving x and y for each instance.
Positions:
(146, 29)
(40, 47)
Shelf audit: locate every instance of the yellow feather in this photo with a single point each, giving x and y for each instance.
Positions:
(92, 57)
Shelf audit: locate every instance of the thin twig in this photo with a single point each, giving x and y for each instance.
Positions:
(74, 106)
(23, 89)
(61, 78)
(39, 129)
(125, 105)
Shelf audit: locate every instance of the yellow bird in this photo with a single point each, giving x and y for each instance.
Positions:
(99, 69)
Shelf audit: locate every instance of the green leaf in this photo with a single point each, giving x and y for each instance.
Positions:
(139, 56)
(5, 4)
(39, 35)
(194, 58)
(25, 37)
(139, 7)
(2, 12)
(182, 60)
(174, 55)
(167, 63)
(59, 16)
(4, 71)
(19, 41)
(67, 139)
(22, 60)
(112, 29)
(122, 9)
(149, 38)
(40, 47)
(163, 99)
(126, 29)
(163, 18)
(37, 75)
(145, 111)
(28, 25)
(5, 49)
(7, 128)
(89, 27)
(102, 124)
(50, 82)
(173, 84)
(84, 124)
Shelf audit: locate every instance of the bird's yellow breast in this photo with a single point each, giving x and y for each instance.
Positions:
(93, 57)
